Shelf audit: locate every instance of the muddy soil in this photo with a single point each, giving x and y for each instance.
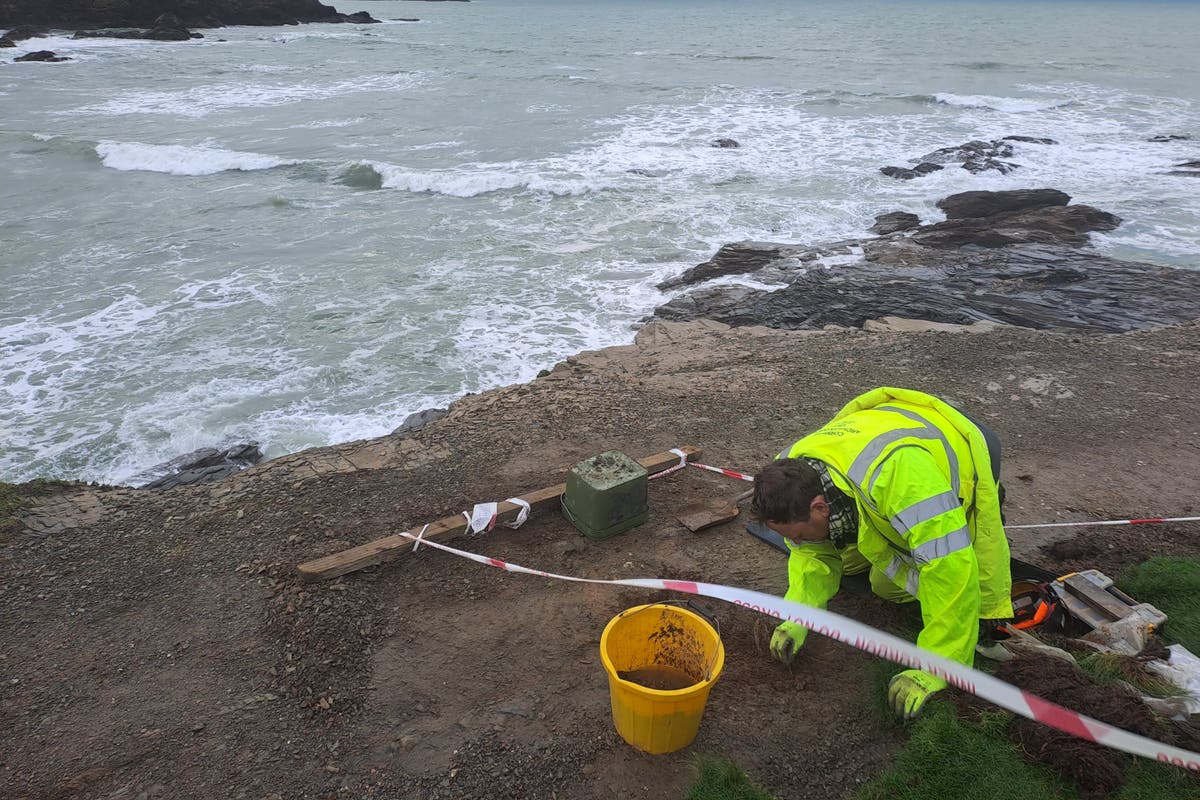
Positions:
(1097, 770)
(159, 644)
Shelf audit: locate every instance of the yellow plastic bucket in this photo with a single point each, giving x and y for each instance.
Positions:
(660, 645)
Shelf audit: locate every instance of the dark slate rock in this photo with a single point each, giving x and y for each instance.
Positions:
(906, 174)
(1075, 290)
(1185, 173)
(969, 151)
(731, 259)
(142, 14)
(6, 42)
(414, 422)
(1079, 290)
(983, 204)
(1064, 225)
(726, 143)
(41, 55)
(894, 222)
(202, 466)
(977, 165)
(1026, 265)
(22, 32)
(154, 34)
(974, 156)
(1170, 137)
(902, 173)
(1190, 164)
(1029, 139)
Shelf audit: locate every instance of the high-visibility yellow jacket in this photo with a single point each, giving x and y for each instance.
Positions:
(928, 508)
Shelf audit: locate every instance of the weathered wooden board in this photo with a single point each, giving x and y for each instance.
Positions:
(707, 513)
(392, 547)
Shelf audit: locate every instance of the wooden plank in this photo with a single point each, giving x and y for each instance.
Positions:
(1098, 597)
(392, 547)
(707, 513)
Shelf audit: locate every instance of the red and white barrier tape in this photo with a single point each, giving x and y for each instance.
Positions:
(744, 477)
(741, 476)
(892, 648)
(1104, 522)
(683, 462)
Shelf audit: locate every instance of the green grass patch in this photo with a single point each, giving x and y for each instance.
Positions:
(721, 779)
(1149, 780)
(1109, 668)
(1172, 585)
(947, 757)
(977, 760)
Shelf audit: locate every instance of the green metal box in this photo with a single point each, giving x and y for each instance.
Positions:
(606, 495)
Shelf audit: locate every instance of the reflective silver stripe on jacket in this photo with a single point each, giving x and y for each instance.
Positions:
(942, 546)
(925, 510)
(912, 581)
(875, 448)
(893, 568)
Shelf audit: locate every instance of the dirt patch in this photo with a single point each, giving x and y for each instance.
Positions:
(159, 643)
(1097, 769)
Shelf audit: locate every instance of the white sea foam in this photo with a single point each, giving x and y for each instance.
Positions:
(434, 145)
(325, 123)
(473, 180)
(1008, 105)
(181, 160)
(84, 49)
(36, 349)
(458, 183)
(290, 309)
(200, 101)
(264, 69)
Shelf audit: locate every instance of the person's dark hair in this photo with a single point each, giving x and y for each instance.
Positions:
(784, 490)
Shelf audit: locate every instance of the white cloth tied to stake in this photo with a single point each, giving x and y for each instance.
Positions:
(482, 517)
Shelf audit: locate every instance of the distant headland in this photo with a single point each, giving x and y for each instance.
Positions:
(91, 14)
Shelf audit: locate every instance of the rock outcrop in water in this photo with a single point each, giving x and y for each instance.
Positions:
(167, 28)
(42, 55)
(74, 14)
(1017, 257)
(205, 465)
(974, 156)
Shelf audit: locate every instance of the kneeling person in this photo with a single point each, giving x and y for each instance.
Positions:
(904, 485)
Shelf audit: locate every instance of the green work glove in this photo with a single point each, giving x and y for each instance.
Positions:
(786, 641)
(908, 691)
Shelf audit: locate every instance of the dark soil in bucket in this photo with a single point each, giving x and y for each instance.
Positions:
(658, 676)
(1096, 769)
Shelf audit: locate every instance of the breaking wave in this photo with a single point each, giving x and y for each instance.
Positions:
(181, 160)
(468, 181)
(1011, 105)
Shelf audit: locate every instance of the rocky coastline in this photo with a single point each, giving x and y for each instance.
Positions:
(145, 14)
(1020, 257)
(168, 622)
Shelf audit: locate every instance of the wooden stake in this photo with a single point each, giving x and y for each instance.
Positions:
(392, 547)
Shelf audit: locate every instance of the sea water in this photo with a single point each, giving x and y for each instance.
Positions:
(300, 235)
